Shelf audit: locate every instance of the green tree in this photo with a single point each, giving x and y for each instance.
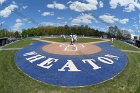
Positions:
(17, 34)
(119, 35)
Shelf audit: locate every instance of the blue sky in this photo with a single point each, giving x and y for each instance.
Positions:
(98, 14)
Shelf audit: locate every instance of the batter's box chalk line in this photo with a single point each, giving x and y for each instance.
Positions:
(73, 47)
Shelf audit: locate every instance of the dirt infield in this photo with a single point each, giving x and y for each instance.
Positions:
(75, 49)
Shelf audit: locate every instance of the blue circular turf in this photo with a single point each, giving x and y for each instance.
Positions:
(110, 62)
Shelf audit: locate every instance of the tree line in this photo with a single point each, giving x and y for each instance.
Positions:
(6, 33)
(62, 30)
(113, 32)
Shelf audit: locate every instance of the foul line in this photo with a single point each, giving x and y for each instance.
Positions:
(131, 51)
(1, 49)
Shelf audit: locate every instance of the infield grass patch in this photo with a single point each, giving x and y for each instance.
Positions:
(80, 40)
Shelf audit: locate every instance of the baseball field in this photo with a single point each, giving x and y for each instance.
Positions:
(13, 80)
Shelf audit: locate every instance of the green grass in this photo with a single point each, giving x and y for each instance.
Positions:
(80, 40)
(20, 44)
(123, 46)
(12, 80)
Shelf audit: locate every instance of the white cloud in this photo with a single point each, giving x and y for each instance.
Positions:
(25, 19)
(112, 19)
(124, 21)
(2, 1)
(95, 2)
(65, 22)
(47, 14)
(47, 23)
(101, 4)
(83, 19)
(130, 8)
(60, 24)
(108, 18)
(56, 6)
(8, 10)
(39, 11)
(127, 29)
(129, 5)
(81, 7)
(134, 18)
(70, 18)
(130, 30)
(18, 21)
(13, 2)
(136, 26)
(1, 23)
(60, 18)
(53, 24)
(24, 7)
(17, 25)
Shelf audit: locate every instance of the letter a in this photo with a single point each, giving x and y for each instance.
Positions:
(69, 65)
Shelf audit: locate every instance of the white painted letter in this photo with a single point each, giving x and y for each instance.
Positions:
(91, 62)
(30, 53)
(48, 63)
(69, 65)
(105, 60)
(112, 56)
(35, 58)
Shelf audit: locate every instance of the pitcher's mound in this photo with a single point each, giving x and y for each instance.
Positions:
(75, 49)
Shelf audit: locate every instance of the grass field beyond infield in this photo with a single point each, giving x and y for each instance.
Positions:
(80, 40)
(12, 80)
